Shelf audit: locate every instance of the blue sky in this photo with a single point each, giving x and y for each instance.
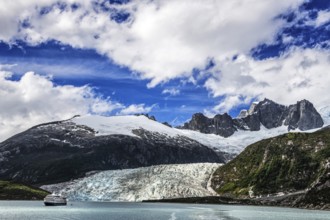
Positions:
(86, 67)
(166, 58)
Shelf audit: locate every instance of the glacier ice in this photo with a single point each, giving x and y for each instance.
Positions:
(145, 183)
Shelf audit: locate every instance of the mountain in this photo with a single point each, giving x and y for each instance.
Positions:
(302, 116)
(64, 150)
(293, 167)
(145, 183)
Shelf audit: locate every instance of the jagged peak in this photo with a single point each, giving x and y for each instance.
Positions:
(243, 113)
(199, 114)
(222, 115)
(151, 117)
(267, 101)
(268, 113)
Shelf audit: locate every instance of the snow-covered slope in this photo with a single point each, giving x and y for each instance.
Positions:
(126, 124)
(325, 113)
(235, 143)
(155, 182)
(123, 125)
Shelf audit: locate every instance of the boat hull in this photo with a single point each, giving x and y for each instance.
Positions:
(53, 204)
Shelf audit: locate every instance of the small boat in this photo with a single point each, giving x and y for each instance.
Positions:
(52, 200)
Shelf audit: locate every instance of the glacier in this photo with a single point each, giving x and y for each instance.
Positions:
(145, 183)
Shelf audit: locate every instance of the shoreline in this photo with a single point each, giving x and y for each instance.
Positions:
(232, 201)
(209, 200)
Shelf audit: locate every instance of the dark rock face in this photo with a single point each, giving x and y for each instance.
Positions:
(223, 125)
(252, 122)
(270, 114)
(60, 151)
(303, 116)
(201, 123)
(267, 113)
(167, 124)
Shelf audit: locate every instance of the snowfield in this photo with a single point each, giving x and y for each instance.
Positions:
(155, 182)
(126, 124)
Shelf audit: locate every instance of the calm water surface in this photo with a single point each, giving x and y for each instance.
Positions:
(22, 210)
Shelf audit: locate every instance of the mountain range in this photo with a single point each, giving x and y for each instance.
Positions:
(302, 116)
(78, 156)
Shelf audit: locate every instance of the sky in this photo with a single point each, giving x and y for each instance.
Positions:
(168, 58)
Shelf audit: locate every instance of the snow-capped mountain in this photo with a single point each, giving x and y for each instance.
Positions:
(145, 183)
(64, 150)
(129, 125)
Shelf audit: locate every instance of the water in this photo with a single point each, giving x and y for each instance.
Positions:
(26, 210)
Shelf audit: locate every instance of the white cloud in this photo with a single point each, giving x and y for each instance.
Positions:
(163, 40)
(136, 109)
(228, 103)
(298, 74)
(34, 99)
(167, 39)
(322, 18)
(171, 91)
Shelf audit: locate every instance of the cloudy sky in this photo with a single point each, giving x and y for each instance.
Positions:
(168, 58)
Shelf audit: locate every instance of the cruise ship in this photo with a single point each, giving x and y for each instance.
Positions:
(52, 200)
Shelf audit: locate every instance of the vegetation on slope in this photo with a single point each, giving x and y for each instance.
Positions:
(16, 191)
(287, 163)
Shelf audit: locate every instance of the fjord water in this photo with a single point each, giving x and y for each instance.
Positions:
(33, 210)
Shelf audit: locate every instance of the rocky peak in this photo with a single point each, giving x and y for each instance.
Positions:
(252, 107)
(267, 113)
(223, 125)
(199, 122)
(243, 113)
(303, 115)
(151, 117)
(270, 113)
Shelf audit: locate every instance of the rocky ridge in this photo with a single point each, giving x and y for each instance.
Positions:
(302, 116)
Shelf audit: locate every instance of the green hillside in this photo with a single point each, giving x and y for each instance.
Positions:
(287, 163)
(16, 191)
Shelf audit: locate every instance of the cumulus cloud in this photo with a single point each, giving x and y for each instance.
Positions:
(136, 109)
(295, 75)
(34, 99)
(167, 39)
(171, 91)
(161, 40)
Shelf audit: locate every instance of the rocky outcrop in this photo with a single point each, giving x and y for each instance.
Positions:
(303, 115)
(267, 113)
(270, 114)
(223, 125)
(60, 151)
